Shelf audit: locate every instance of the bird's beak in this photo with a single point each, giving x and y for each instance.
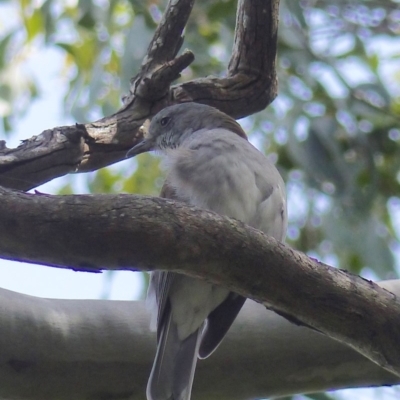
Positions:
(141, 147)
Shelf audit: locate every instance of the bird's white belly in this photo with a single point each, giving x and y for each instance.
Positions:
(192, 300)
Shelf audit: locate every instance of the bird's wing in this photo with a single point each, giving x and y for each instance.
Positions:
(160, 281)
(271, 214)
(157, 297)
(218, 323)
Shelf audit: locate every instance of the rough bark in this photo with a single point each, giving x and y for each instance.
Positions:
(249, 86)
(135, 232)
(95, 349)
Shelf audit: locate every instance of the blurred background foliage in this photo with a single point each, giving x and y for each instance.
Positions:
(334, 129)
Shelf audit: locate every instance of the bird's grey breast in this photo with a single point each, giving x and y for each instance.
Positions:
(217, 170)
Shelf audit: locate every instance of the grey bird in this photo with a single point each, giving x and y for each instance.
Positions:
(210, 165)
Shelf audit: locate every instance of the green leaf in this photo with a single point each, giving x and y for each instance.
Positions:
(297, 12)
(49, 22)
(373, 62)
(33, 24)
(84, 54)
(358, 242)
(147, 178)
(319, 396)
(87, 20)
(3, 48)
(221, 9)
(6, 124)
(371, 90)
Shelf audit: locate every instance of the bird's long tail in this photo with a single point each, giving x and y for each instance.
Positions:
(172, 374)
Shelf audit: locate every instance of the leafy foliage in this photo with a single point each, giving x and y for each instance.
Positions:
(337, 110)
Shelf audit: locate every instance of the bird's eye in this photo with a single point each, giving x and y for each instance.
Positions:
(164, 121)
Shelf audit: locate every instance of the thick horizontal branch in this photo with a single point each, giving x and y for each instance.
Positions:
(249, 86)
(94, 349)
(134, 232)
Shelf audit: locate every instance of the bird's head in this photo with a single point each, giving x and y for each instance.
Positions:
(172, 125)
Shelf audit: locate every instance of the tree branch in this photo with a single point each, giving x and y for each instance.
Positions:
(96, 349)
(134, 232)
(250, 85)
